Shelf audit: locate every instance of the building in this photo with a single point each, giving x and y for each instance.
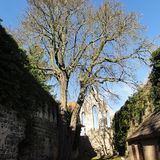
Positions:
(144, 143)
(96, 117)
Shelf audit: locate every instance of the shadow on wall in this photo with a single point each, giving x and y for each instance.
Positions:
(86, 152)
(103, 141)
(28, 113)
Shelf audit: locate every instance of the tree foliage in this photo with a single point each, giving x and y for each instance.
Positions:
(76, 37)
(36, 64)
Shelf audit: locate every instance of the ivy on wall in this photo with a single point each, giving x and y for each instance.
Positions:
(20, 85)
(130, 116)
(155, 79)
(147, 99)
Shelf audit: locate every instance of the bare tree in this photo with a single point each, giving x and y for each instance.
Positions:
(93, 42)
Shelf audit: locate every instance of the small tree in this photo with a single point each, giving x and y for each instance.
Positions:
(93, 43)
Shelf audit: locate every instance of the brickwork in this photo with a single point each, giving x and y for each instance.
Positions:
(11, 133)
(40, 142)
(32, 139)
(28, 113)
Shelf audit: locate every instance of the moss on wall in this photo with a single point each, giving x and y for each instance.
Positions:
(155, 79)
(18, 87)
(33, 134)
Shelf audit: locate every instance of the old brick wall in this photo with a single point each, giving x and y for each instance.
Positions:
(31, 139)
(41, 138)
(11, 133)
(28, 113)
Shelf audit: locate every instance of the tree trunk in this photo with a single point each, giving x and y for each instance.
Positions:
(63, 91)
(63, 125)
(69, 134)
(75, 125)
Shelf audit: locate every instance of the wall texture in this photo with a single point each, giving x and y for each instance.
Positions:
(28, 113)
(23, 139)
(11, 133)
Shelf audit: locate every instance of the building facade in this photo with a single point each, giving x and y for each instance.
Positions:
(96, 118)
(144, 143)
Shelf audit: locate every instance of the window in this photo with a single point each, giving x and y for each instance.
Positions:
(83, 118)
(95, 117)
(108, 120)
(83, 130)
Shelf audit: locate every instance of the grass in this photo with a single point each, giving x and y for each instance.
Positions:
(106, 158)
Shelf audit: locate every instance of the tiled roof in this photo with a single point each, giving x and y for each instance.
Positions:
(149, 128)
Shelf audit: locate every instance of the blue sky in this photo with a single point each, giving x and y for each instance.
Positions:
(149, 10)
(12, 11)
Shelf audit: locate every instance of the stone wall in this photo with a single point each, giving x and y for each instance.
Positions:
(22, 139)
(11, 133)
(28, 113)
(40, 141)
(101, 141)
(97, 131)
(94, 99)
